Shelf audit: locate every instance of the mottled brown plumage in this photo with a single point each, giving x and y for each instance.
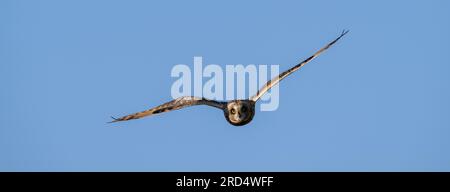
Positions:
(172, 105)
(237, 112)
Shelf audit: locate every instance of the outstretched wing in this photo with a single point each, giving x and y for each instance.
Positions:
(172, 105)
(281, 76)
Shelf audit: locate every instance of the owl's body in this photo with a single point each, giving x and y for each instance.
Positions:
(237, 112)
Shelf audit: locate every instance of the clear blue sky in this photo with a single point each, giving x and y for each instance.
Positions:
(379, 100)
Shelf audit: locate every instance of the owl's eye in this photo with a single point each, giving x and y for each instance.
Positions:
(244, 109)
(232, 111)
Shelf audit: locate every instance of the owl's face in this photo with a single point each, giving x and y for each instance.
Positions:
(240, 112)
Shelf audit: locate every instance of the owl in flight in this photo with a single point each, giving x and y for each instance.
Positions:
(237, 112)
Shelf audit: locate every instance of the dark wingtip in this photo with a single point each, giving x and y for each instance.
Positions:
(115, 120)
(345, 31)
(337, 39)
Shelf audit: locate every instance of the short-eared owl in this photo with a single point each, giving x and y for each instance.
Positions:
(237, 112)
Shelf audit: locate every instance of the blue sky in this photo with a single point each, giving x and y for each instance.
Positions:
(376, 101)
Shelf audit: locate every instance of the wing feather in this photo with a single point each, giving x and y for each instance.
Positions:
(172, 105)
(281, 76)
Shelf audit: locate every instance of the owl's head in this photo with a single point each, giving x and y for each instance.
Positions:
(240, 112)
